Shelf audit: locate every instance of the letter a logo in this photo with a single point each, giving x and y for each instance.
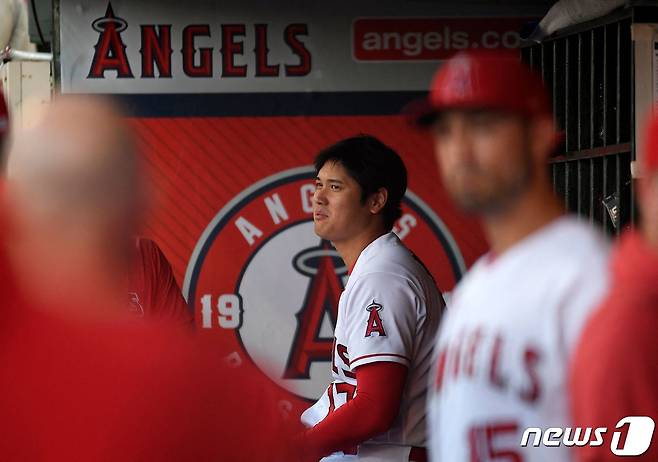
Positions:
(321, 299)
(374, 320)
(110, 52)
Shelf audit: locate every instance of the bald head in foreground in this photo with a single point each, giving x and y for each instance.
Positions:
(76, 197)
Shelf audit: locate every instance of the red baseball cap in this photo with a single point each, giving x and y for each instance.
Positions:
(484, 79)
(649, 156)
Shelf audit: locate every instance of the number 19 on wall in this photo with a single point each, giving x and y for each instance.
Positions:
(226, 312)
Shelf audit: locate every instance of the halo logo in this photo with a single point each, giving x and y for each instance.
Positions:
(267, 287)
(633, 437)
(110, 51)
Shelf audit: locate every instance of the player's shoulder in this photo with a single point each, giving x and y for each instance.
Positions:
(564, 246)
(561, 252)
(146, 246)
(388, 260)
(150, 254)
(388, 253)
(378, 278)
(579, 238)
(576, 248)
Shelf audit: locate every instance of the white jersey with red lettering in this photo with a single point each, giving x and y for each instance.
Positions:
(504, 345)
(389, 311)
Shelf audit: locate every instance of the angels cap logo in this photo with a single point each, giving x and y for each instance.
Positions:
(460, 82)
(267, 287)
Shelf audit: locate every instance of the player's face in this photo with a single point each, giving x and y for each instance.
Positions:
(338, 212)
(484, 160)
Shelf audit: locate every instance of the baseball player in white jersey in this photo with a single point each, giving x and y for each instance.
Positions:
(504, 346)
(388, 313)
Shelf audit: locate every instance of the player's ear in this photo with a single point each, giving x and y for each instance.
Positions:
(378, 200)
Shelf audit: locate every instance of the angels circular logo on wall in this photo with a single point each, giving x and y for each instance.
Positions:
(264, 283)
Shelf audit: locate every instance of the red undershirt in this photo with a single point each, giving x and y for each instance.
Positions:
(372, 412)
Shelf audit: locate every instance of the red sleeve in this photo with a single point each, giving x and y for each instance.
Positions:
(231, 413)
(165, 296)
(175, 402)
(614, 374)
(371, 412)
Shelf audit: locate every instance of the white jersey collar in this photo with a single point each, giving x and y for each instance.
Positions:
(371, 250)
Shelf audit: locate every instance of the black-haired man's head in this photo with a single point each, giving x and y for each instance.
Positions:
(360, 184)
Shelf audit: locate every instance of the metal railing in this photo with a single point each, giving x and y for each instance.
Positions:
(589, 72)
(9, 54)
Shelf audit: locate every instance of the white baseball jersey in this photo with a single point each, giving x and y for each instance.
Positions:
(504, 345)
(389, 311)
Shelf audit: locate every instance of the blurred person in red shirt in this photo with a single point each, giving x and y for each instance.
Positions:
(614, 374)
(76, 199)
(74, 389)
(153, 292)
(79, 384)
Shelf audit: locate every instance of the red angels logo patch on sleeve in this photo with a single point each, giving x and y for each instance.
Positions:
(374, 320)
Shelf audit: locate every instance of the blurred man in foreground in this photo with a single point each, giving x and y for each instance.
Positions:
(615, 370)
(76, 199)
(76, 382)
(505, 343)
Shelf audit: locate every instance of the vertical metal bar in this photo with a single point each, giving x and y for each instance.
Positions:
(592, 94)
(56, 40)
(622, 212)
(591, 190)
(554, 84)
(566, 184)
(605, 86)
(604, 190)
(579, 179)
(566, 93)
(579, 96)
(618, 76)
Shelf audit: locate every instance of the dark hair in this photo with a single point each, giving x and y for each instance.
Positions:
(372, 165)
